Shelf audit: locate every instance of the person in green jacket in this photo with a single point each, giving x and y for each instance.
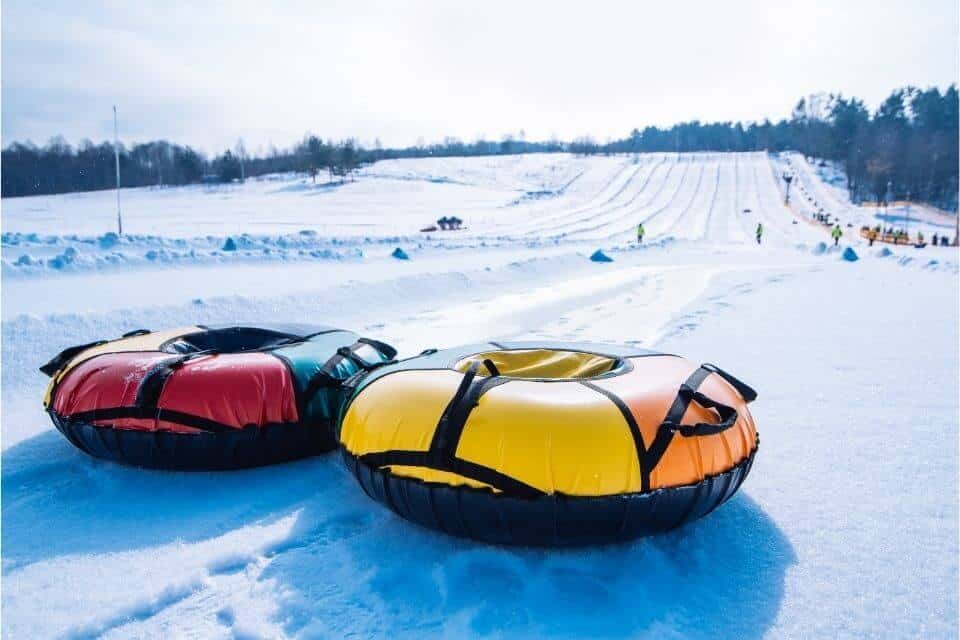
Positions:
(836, 233)
(640, 232)
(759, 232)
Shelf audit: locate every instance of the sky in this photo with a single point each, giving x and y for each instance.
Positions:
(207, 73)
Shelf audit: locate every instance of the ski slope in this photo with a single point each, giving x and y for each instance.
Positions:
(846, 527)
(529, 201)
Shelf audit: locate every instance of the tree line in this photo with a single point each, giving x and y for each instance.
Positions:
(907, 148)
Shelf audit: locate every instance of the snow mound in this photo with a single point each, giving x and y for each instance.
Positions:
(108, 240)
(400, 254)
(884, 253)
(600, 256)
(850, 255)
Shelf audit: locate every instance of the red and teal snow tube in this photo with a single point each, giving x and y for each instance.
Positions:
(206, 397)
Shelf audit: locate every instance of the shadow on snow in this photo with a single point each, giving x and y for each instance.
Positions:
(350, 566)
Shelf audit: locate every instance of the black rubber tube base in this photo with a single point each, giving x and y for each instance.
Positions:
(239, 449)
(550, 520)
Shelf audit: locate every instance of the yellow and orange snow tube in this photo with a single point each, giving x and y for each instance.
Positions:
(549, 444)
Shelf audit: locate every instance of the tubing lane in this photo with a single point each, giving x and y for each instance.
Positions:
(682, 210)
(605, 217)
(734, 225)
(685, 211)
(635, 196)
(750, 201)
(633, 213)
(533, 214)
(667, 205)
(536, 225)
(767, 208)
(724, 204)
(708, 223)
(601, 211)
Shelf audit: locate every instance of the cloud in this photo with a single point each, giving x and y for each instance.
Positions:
(208, 73)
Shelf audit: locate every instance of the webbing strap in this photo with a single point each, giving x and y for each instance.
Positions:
(507, 484)
(386, 350)
(747, 392)
(64, 357)
(672, 423)
(325, 378)
(149, 413)
(728, 416)
(442, 454)
(446, 436)
(350, 353)
(151, 386)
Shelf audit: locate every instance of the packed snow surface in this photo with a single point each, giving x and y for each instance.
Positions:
(846, 527)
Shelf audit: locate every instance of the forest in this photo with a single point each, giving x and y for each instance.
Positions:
(905, 149)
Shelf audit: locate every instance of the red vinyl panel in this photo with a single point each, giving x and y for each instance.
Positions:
(234, 390)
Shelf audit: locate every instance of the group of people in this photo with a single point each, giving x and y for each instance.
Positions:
(449, 224)
(900, 236)
(896, 236)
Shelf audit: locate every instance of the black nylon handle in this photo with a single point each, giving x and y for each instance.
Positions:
(386, 350)
(61, 359)
(749, 393)
(728, 416)
(350, 353)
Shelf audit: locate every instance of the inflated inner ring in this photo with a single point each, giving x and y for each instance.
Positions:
(544, 364)
(230, 340)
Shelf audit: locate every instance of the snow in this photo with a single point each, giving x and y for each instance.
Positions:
(846, 527)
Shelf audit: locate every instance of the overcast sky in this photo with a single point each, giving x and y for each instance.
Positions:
(205, 74)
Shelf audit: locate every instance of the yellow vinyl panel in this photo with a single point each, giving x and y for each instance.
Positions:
(541, 363)
(146, 342)
(398, 411)
(558, 437)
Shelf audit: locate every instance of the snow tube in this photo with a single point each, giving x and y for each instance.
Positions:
(207, 397)
(549, 443)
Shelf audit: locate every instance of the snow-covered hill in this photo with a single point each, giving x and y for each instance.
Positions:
(846, 527)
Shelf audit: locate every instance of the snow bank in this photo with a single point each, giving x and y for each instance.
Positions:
(36, 255)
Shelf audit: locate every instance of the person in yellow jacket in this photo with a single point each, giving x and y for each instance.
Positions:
(640, 232)
(836, 233)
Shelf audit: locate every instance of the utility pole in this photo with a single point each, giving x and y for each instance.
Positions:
(241, 154)
(116, 159)
(908, 213)
(787, 178)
